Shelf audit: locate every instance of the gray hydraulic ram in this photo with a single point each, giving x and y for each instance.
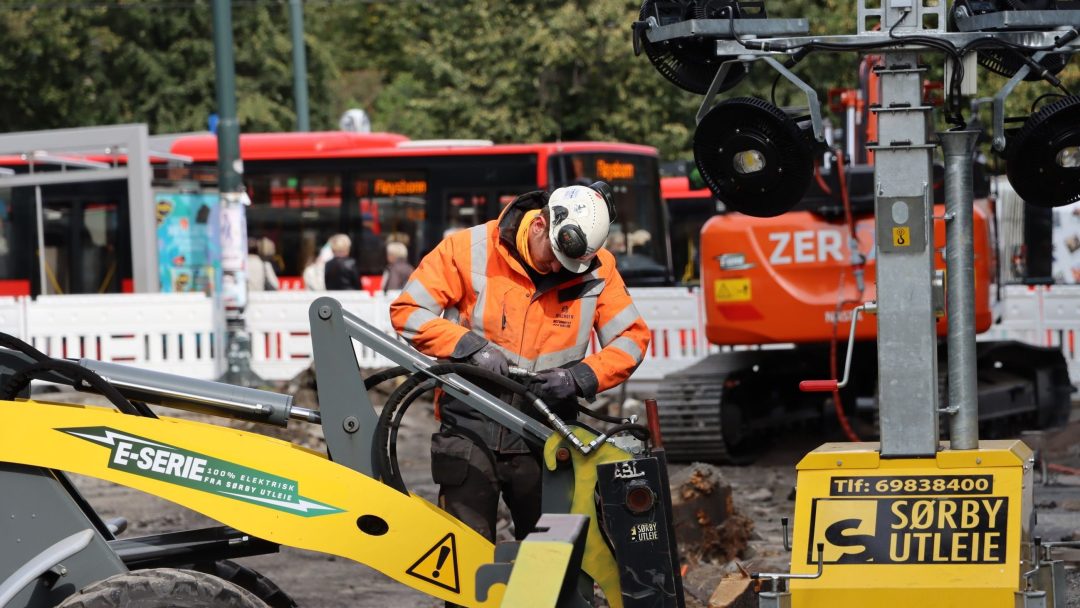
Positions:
(325, 309)
(200, 395)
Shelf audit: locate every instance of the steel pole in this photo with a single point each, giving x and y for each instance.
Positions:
(228, 129)
(299, 57)
(958, 147)
(233, 212)
(40, 210)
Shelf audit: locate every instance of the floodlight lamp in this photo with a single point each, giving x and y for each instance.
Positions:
(753, 156)
(1043, 157)
(1068, 157)
(691, 63)
(748, 161)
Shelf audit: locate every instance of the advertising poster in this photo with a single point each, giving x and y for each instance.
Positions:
(234, 250)
(1066, 266)
(188, 235)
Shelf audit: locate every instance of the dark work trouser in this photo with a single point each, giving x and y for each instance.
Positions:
(469, 486)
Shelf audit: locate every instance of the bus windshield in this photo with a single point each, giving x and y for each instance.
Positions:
(639, 236)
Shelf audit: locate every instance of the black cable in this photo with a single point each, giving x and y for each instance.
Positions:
(1042, 97)
(44, 363)
(419, 383)
(791, 62)
(639, 431)
(387, 459)
(380, 377)
(599, 416)
(10, 341)
(22, 378)
(386, 451)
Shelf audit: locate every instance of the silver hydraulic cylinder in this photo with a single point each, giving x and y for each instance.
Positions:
(203, 396)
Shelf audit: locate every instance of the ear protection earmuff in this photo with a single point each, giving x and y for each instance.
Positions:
(571, 240)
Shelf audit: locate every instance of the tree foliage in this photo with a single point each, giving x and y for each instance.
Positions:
(506, 71)
(72, 65)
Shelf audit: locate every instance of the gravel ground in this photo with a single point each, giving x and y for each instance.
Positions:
(762, 492)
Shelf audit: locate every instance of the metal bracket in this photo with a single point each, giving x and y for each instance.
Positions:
(43, 562)
(999, 101)
(342, 395)
(776, 577)
(341, 386)
(721, 28)
(811, 94)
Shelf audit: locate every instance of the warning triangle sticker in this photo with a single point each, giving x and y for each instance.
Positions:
(439, 565)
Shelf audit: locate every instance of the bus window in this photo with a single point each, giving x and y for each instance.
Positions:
(464, 210)
(476, 206)
(638, 237)
(8, 263)
(688, 210)
(299, 212)
(390, 207)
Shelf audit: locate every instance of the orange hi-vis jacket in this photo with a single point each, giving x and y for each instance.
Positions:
(473, 288)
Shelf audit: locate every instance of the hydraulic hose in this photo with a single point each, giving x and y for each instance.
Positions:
(69, 371)
(404, 395)
(421, 382)
(858, 263)
(10, 341)
(78, 373)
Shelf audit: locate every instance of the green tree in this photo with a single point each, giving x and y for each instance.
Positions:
(150, 62)
(508, 72)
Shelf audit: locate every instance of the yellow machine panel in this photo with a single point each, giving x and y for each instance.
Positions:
(944, 531)
(259, 485)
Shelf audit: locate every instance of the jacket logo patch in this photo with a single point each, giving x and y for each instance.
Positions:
(563, 318)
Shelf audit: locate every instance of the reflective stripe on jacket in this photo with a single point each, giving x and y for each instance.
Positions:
(474, 282)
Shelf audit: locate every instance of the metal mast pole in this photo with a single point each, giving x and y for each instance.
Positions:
(228, 129)
(960, 288)
(299, 57)
(903, 204)
(233, 200)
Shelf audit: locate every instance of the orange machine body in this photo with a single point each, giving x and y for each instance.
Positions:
(795, 281)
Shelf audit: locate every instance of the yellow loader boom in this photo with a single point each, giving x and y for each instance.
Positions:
(348, 502)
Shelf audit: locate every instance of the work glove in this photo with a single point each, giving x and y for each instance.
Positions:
(491, 359)
(555, 385)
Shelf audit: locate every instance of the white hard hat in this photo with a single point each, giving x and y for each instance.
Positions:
(580, 218)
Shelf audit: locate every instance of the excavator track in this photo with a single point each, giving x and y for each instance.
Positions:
(725, 408)
(697, 422)
(690, 416)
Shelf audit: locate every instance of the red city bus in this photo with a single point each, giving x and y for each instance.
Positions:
(305, 187)
(377, 187)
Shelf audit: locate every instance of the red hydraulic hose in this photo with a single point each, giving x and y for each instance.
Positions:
(846, 200)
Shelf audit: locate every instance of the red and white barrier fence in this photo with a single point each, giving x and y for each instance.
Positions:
(1044, 315)
(183, 333)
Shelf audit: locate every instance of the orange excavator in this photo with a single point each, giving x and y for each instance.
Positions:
(785, 288)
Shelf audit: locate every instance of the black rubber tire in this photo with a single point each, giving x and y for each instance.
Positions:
(250, 579)
(163, 588)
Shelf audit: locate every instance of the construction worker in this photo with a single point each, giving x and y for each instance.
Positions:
(525, 290)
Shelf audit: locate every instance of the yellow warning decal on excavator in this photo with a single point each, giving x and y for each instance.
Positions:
(910, 519)
(438, 565)
(731, 290)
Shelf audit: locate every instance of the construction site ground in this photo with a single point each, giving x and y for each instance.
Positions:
(763, 493)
